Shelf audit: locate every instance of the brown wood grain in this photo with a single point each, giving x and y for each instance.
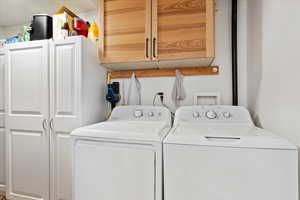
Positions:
(183, 45)
(101, 15)
(156, 30)
(154, 34)
(183, 31)
(186, 71)
(181, 6)
(210, 28)
(124, 31)
(124, 27)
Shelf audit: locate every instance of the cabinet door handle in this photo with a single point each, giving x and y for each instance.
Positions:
(147, 47)
(51, 125)
(154, 47)
(45, 124)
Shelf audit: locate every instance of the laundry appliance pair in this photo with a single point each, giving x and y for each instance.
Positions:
(210, 153)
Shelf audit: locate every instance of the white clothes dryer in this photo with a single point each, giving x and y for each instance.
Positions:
(121, 159)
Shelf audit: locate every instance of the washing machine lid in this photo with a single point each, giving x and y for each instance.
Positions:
(236, 136)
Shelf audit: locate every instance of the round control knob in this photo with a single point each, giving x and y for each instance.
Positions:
(226, 114)
(150, 114)
(196, 115)
(211, 114)
(138, 113)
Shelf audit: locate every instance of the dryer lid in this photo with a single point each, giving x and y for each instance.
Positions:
(124, 130)
(131, 123)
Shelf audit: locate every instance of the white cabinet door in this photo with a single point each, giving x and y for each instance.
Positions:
(2, 133)
(2, 68)
(2, 160)
(65, 95)
(27, 107)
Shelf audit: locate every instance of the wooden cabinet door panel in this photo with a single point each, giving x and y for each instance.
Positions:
(125, 30)
(183, 29)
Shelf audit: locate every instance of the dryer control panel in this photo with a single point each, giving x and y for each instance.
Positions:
(143, 113)
(213, 114)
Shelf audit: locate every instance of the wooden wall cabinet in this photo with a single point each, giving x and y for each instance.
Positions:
(157, 33)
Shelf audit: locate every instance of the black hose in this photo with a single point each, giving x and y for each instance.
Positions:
(234, 54)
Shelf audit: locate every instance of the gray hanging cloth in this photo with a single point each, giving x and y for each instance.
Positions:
(178, 92)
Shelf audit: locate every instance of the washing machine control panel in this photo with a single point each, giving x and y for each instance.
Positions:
(224, 114)
(211, 114)
(227, 115)
(196, 114)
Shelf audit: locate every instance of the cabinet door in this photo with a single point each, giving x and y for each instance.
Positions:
(26, 100)
(65, 101)
(183, 29)
(2, 68)
(2, 133)
(125, 30)
(2, 161)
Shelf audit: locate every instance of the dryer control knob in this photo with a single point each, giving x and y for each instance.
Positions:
(196, 115)
(150, 114)
(227, 115)
(138, 113)
(211, 114)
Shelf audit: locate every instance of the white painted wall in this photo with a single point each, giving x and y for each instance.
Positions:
(254, 59)
(12, 31)
(242, 51)
(2, 33)
(273, 55)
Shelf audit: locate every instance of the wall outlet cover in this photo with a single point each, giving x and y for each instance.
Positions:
(207, 98)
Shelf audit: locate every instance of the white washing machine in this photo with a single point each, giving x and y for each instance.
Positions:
(121, 159)
(216, 153)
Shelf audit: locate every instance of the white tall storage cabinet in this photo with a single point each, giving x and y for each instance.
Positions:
(2, 114)
(52, 88)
